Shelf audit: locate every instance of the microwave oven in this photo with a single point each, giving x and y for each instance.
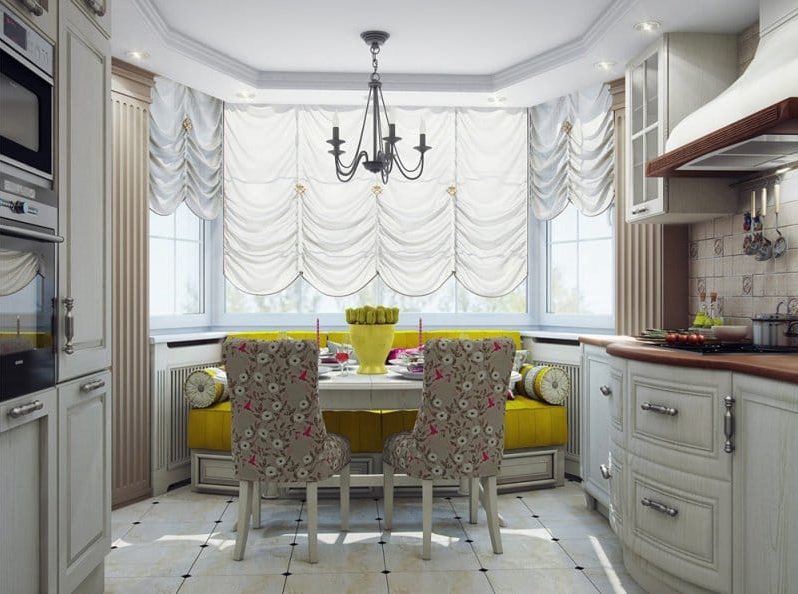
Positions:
(26, 99)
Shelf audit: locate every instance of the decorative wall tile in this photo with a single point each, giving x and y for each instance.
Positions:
(748, 284)
(702, 285)
(719, 246)
(693, 250)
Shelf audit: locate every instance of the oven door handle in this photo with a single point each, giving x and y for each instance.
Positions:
(28, 234)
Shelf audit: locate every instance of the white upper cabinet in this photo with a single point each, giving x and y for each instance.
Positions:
(671, 79)
(98, 11)
(84, 189)
(42, 14)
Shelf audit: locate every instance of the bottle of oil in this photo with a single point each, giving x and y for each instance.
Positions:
(701, 317)
(715, 318)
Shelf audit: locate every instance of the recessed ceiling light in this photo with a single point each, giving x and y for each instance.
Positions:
(648, 26)
(497, 99)
(137, 55)
(605, 65)
(246, 95)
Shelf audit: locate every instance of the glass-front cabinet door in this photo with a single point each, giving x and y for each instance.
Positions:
(644, 132)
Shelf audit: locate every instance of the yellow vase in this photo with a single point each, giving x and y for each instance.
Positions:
(371, 342)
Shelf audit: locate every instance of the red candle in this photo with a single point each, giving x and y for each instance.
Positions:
(318, 338)
(420, 334)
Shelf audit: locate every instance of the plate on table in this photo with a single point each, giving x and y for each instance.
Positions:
(407, 374)
(325, 370)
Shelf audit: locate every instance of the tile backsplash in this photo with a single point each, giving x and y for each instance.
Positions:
(746, 287)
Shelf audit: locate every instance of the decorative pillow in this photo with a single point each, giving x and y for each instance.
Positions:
(545, 383)
(520, 359)
(206, 387)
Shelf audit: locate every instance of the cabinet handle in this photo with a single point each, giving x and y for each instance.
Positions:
(25, 409)
(639, 210)
(728, 424)
(33, 7)
(605, 390)
(93, 385)
(605, 472)
(96, 7)
(660, 409)
(69, 325)
(660, 507)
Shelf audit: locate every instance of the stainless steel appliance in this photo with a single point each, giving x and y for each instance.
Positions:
(28, 220)
(775, 330)
(26, 100)
(730, 348)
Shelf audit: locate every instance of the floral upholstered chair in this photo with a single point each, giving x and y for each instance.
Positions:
(459, 430)
(278, 433)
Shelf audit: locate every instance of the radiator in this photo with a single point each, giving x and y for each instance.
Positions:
(171, 363)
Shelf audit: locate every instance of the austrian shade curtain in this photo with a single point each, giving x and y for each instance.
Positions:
(571, 144)
(286, 215)
(185, 150)
(17, 270)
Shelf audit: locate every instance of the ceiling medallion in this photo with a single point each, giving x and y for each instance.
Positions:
(384, 155)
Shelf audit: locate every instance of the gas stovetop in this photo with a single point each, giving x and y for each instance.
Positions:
(726, 348)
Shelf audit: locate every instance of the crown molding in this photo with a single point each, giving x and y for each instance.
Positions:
(346, 81)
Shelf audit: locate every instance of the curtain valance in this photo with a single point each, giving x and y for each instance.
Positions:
(286, 215)
(185, 150)
(17, 270)
(571, 144)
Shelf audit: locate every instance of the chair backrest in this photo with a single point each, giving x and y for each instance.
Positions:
(460, 426)
(278, 433)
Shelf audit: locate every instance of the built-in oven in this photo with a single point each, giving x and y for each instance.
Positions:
(28, 285)
(26, 99)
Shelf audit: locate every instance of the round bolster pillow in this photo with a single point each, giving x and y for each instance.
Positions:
(546, 383)
(206, 387)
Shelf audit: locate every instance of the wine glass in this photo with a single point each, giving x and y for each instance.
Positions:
(342, 356)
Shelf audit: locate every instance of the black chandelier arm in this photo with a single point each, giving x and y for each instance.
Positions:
(407, 170)
(347, 174)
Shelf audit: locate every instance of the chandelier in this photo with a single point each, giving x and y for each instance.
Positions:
(384, 155)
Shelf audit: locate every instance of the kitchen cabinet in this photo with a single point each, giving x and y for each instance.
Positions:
(98, 12)
(41, 14)
(671, 79)
(765, 485)
(28, 494)
(84, 177)
(602, 395)
(84, 477)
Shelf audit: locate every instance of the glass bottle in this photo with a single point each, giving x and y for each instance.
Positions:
(701, 317)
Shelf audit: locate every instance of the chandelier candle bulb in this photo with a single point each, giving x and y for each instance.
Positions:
(422, 128)
(764, 201)
(777, 195)
(753, 203)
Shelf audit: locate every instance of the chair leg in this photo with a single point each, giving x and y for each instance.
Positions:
(344, 496)
(256, 505)
(312, 497)
(426, 519)
(473, 500)
(490, 502)
(387, 492)
(244, 510)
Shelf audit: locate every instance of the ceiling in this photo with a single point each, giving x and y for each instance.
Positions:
(442, 52)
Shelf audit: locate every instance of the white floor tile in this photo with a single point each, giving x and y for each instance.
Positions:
(334, 558)
(613, 581)
(337, 583)
(462, 582)
(262, 556)
(543, 581)
(594, 552)
(233, 584)
(142, 585)
(523, 549)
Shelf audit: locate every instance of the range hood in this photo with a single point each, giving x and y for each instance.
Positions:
(751, 127)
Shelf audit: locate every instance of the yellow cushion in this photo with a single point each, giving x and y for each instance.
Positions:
(408, 339)
(275, 334)
(528, 424)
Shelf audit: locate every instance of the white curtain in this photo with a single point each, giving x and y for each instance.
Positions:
(286, 215)
(185, 150)
(17, 270)
(571, 145)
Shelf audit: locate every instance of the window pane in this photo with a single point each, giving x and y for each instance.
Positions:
(286, 301)
(162, 277)
(563, 226)
(313, 301)
(595, 277)
(513, 302)
(441, 301)
(161, 226)
(638, 82)
(188, 277)
(187, 224)
(597, 227)
(652, 83)
(563, 293)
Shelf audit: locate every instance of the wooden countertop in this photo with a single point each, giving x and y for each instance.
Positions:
(777, 367)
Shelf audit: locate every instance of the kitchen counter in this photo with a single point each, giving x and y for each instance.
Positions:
(777, 367)
(602, 340)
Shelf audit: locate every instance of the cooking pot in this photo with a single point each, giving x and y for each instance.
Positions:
(775, 330)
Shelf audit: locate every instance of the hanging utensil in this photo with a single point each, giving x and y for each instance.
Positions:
(780, 246)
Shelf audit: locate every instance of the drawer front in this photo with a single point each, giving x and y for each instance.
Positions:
(617, 467)
(679, 422)
(681, 523)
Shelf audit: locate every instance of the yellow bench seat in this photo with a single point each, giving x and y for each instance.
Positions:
(528, 424)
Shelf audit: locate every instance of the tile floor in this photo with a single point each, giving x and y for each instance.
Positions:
(183, 542)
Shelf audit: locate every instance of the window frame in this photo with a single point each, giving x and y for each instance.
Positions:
(186, 321)
(550, 320)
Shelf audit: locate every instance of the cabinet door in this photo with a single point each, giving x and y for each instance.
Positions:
(597, 408)
(645, 82)
(42, 14)
(84, 479)
(28, 491)
(99, 11)
(84, 84)
(765, 485)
